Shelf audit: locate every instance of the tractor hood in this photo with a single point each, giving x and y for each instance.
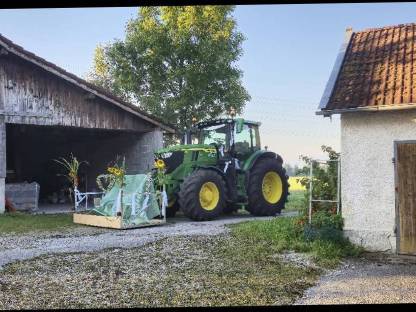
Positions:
(187, 147)
(184, 155)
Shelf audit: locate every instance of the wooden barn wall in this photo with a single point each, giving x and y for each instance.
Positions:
(31, 95)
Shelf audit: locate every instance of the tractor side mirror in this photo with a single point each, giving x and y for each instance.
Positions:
(239, 124)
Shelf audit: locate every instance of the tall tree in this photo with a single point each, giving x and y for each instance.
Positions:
(177, 63)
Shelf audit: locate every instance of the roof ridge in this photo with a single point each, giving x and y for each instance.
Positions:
(385, 27)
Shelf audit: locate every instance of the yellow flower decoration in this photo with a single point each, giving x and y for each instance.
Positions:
(159, 164)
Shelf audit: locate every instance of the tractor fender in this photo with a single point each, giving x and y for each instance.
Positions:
(253, 159)
(212, 168)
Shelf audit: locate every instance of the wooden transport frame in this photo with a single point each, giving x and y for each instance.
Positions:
(114, 222)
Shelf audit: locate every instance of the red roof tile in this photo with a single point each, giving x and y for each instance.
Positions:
(379, 69)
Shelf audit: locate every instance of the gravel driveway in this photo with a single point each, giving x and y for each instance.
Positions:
(22, 247)
(365, 281)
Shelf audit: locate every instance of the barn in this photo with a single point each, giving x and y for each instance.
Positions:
(373, 88)
(47, 113)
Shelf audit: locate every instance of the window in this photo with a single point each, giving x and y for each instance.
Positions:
(242, 141)
(248, 140)
(214, 135)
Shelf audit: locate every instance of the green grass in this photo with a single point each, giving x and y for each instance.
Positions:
(19, 222)
(284, 234)
(295, 201)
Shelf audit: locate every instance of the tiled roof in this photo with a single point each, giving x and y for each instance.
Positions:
(378, 70)
(106, 95)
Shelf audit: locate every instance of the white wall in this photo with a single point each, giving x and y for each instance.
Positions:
(367, 174)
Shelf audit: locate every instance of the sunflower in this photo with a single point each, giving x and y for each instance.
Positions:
(159, 164)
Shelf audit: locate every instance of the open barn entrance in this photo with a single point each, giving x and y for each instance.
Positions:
(31, 150)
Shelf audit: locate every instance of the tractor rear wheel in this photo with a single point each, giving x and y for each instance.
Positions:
(268, 188)
(202, 195)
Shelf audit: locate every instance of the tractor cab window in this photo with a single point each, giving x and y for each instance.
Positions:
(217, 135)
(247, 141)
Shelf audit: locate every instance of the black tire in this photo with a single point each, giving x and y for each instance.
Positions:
(189, 201)
(172, 210)
(230, 208)
(257, 203)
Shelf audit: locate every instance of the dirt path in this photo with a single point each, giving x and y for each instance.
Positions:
(365, 281)
(22, 247)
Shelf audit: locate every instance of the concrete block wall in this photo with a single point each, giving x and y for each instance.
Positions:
(138, 148)
(367, 175)
(140, 157)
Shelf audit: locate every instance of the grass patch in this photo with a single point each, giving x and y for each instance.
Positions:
(19, 222)
(285, 234)
(296, 201)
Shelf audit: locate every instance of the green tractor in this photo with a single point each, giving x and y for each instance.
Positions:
(219, 168)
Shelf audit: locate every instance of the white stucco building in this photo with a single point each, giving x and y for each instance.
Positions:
(373, 87)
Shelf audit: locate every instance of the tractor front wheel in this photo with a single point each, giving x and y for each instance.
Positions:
(267, 188)
(202, 195)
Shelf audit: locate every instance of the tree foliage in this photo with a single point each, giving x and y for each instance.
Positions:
(176, 62)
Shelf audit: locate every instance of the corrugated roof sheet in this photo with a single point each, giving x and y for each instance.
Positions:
(379, 69)
(54, 69)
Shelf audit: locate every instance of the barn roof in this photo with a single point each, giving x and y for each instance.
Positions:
(10, 47)
(375, 70)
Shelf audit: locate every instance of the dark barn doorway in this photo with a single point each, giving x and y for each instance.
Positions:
(31, 150)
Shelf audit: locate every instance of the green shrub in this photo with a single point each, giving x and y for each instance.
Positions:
(325, 219)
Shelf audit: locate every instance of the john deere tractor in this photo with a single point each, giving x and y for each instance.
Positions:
(221, 168)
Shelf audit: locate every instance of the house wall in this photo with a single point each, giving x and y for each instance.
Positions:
(367, 175)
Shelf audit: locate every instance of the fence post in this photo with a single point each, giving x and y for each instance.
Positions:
(310, 193)
(338, 185)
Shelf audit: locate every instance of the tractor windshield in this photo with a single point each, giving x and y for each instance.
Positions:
(217, 134)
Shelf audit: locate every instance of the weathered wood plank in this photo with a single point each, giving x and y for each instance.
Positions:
(110, 222)
(406, 172)
(35, 96)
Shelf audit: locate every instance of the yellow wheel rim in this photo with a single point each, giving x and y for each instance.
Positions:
(272, 187)
(209, 196)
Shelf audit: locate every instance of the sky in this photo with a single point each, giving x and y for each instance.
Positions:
(288, 56)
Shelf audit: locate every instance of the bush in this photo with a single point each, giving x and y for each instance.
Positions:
(324, 180)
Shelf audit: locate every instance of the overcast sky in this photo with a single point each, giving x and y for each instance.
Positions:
(288, 56)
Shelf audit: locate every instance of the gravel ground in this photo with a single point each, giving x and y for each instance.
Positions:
(192, 270)
(363, 280)
(29, 245)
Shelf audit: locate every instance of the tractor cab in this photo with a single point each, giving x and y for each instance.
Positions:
(237, 138)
